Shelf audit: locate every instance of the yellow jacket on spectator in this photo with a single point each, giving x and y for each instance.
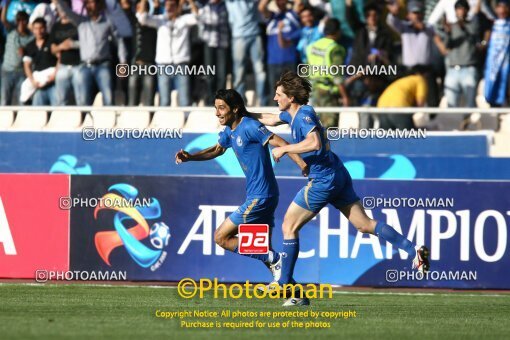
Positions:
(405, 92)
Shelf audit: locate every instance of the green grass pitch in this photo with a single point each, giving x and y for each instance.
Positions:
(119, 312)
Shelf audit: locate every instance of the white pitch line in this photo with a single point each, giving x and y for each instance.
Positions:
(458, 293)
(46, 284)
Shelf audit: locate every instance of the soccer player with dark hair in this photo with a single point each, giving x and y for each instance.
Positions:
(329, 181)
(249, 139)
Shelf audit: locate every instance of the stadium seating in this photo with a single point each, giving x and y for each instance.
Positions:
(481, 102)
(30, 120)
(98, 100)
(103, 118)
(64, 120)
(250, 97)
(167, 120)
(201, 121)
(6, 119)
(443, 103)
(505, 124)
(133, 119)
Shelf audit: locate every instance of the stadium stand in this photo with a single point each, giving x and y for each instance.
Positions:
(6, 119)
(103, 118)
(61, 120)
(33, 120)
(163, 120)
(201, 121)
(133, 119)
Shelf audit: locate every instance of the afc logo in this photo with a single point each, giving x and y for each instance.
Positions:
(253, 238)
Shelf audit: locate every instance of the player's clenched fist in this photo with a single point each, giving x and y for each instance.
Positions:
(278, 153)
(305, 170)
(182, 156)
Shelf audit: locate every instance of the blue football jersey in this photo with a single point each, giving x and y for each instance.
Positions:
(323, 161)
(249, 142)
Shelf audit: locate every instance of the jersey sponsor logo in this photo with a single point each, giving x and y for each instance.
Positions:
(263, 130)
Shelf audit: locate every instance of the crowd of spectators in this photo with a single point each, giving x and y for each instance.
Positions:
(63, 52)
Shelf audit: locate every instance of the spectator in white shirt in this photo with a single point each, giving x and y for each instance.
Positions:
(46, 11)
(447, 8)
(172, 47)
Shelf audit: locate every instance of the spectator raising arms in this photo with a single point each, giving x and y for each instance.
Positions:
(46, 11)
(95, 32)
(283, 32)
(311, 31)
(417, 39)
(12, 7)
(446, 9)
(12, 68)
(172, 47)
(339, 10)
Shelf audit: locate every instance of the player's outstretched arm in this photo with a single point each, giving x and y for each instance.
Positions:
(279, 142)
(204, 155)
(267, 119)
(312, 142)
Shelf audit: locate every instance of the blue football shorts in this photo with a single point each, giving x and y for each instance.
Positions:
(335, 188)
(256, 211)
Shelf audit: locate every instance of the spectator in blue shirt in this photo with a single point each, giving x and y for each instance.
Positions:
(11, 7)
(283, 33)
(311, 31)
(339, 11)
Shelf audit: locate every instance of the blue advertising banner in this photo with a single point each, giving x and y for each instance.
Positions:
(37, 152)
(170, 234)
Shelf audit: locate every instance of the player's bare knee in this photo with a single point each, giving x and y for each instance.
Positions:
(288, 229)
